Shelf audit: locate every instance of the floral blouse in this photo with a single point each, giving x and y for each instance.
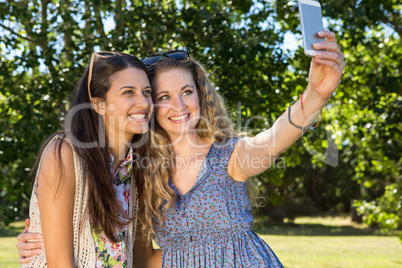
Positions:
(110, 254)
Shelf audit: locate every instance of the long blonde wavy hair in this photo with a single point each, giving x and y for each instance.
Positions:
(215, 125)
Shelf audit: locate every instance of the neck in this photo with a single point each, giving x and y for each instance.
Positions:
(190, 144)
(119, 144)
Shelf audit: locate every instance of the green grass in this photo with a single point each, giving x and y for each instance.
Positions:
(332, 242)
(8, 241)
(313, 242)
(329, 251)
(8, 253)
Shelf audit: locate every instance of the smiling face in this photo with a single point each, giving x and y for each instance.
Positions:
(128, 103)
(177, 108)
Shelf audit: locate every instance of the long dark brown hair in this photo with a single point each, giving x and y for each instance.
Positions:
(86, 127)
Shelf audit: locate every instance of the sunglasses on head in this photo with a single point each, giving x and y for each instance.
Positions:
(174, 54)
(102, 55)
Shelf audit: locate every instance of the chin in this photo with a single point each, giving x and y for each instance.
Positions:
(183, 132)
(138, 130)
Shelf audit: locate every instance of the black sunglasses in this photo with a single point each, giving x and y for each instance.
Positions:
(174, 54)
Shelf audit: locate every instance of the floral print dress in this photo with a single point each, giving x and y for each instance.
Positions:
(211, 224)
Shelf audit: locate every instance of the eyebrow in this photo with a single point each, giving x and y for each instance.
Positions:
(187, 86)
(184, 87)
(127, 87)
(132, 87)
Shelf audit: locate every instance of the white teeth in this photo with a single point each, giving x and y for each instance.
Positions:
(137, 116)
(175, 118)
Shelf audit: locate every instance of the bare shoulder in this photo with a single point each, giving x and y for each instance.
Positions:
(57, 163)
(58, 152)
(242, 144)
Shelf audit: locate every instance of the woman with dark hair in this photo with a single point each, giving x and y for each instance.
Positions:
(85, 196)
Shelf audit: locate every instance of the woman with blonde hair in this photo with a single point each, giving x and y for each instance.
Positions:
(197, 203)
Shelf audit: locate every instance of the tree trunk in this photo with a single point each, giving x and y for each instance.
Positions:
(353, 213)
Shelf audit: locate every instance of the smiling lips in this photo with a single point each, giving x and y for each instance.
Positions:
(179, 118)
(138, 116)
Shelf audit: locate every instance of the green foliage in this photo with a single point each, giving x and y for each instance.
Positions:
(46, 45)
(385, 211)
(366, 123)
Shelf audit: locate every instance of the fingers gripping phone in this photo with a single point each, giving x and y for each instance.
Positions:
(311, 24)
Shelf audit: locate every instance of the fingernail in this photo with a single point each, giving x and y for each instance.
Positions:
(317, 45)
(42, 245)
(318, 53)
(39, 251)
(39, 236)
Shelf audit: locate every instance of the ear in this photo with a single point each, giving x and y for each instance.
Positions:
(99, 105)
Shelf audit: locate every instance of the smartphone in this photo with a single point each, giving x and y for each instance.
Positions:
(311, 24)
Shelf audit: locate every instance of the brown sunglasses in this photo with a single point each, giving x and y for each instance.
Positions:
(102, 55)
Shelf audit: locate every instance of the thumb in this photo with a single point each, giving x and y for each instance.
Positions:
(27, 223)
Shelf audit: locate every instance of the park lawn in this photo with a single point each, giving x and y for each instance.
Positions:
(8, 252)
(328, 242)
(8, 241)
(334, 252)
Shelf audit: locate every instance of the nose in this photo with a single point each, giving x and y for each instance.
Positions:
(179, 104)
(142, 102)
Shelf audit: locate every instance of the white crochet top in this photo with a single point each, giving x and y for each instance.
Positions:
(84, 246)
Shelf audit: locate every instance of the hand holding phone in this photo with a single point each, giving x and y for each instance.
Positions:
(311, 24)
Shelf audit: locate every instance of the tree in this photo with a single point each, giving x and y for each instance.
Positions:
(369, 119)
(47, 43)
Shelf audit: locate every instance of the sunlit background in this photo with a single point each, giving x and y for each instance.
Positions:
(254, 48)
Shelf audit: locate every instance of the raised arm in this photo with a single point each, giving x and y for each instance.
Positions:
(254, 155)
(56, 187)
